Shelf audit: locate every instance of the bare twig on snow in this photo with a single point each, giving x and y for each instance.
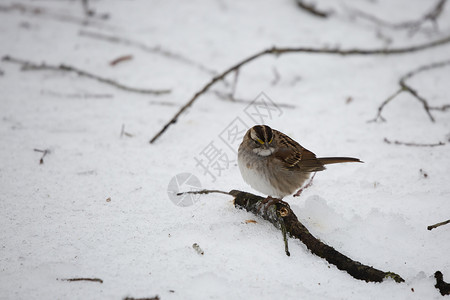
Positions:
(44, 153)
(82, 279)
(146, 298)
(120, 59)
(155, 49)
(27, 65)
(404, 87)
(437, 225)
(413, 26)
(387, 141)
(311, 8)
(40, 12)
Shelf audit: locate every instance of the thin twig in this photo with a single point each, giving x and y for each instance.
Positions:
(147, 298)
(90, 13)
(379, 117)
(404, 87)
(124, 133)
(228, 97)
(311, 8)
(120, 59)
(82, 279)
(276, 76)
(44, 153)
(412, 144)
(437, 225)
(413, 26)
(203, 192)
(280, 51)
(155, 49)
(27, 65)
(40, 12)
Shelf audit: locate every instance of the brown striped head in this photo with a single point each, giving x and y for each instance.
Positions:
(262, 138)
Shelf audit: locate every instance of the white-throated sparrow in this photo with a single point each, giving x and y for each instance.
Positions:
(276, 165)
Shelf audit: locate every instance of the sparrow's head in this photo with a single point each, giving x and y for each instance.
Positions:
(261, 137)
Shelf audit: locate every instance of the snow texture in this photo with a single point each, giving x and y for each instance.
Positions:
(98, 206)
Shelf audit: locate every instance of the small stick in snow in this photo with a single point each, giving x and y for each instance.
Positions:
(120, 59)
(44, 153)
(441, 285)
(82, 279)
(279, 51)
(28, 65)
(437, 225)
(387, 141)
(311, 8)
(124, 133)
(151, 298)
(198, 249)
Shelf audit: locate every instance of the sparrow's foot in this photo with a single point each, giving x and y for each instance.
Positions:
(310, 182)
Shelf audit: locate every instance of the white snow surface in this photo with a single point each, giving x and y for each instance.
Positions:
(56, 222)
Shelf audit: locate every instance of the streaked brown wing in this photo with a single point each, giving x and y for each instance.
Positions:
(295, 157)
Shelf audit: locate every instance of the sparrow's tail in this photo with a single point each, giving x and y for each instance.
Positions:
(337, 160)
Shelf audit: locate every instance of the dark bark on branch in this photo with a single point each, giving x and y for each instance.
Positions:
(280, 214)
(311, 8)
(404, 87)
(280, 51)
(438, 224)
(441, 285)
(27, 65)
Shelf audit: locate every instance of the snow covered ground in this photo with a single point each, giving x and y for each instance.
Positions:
(99, 207)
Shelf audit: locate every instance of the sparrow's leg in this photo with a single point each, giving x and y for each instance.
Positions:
(310, 182)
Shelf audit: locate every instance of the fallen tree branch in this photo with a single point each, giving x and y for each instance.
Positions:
(281, 215)
(441, 285)
(437, 225)
(82, 279)
(154, 50)
(404, 87)
(279, 51)
(311, 8)
(412, 144)
(27, 65)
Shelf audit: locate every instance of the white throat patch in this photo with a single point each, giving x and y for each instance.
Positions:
(264, 152)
